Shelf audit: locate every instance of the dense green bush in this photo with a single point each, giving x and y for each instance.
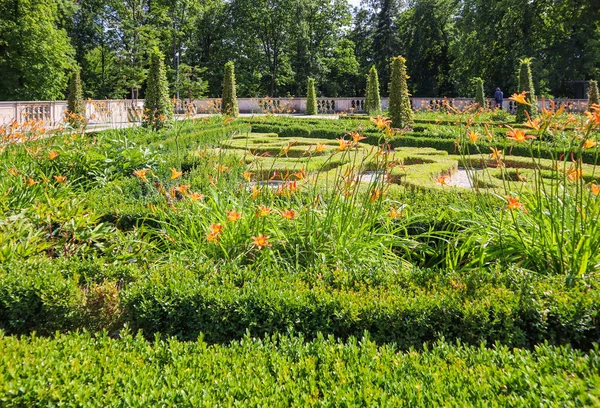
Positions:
(311, 98)
(158, 109)
(400, 110)
(229, 103)
(372, 99)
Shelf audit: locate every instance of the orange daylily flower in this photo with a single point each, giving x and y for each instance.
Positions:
(473, 136)
(212, 237)
(514, 203)
(356, 137)
(300, 175)
(13, 171)
(320, 147)
(496, 154)
(233, 216)
(595, 188)
(53, 155)
(520, 98)
(381, 122)
(286, 149)
(343, 144)
(588, 144)
(60, 179)
(518, 135)
(262, 211)
(442, 179)
(289, 214)
(248, 175)
(261, 241)
(196, 196)
(221, 168)
(216, 229)
(31, 182)
(255, 192)
(394, 213)
(532, 124)
(175, 174)
(574, 173)
(141, 174)
(375, 195)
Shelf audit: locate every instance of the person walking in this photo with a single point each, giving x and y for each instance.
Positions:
(498, 97)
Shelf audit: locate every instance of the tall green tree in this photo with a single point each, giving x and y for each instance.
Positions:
(526, 85)
(593, 94)
(229, 103)
(400, 109)
(75, 103)
(158, 109)
(479, 92)
(35, 54)
(311, 98)
(372, 99)
(385, 38)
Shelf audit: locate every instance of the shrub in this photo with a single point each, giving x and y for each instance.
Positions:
(400, 110)
(525, 84)
(593, 94)
(372, 99)
(158, 109)
(479, 92)
(75, 104)
(229, 103)
(311, 98)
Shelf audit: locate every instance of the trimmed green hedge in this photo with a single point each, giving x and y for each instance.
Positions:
(81, 370)
(184, 301)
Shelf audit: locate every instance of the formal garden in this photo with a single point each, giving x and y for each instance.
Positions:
(393, 251)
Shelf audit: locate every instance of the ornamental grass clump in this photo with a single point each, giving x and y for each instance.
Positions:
(311, 98)
(400, 109)
(525, 85)
(158, 109)
(372, 98)
(229, 103)
(75, 103)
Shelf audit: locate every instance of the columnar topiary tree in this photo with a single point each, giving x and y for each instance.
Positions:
(526, 85)
(158, 109)
(229, 103)
(372, 99)
(593, 94)
(75, 104)
(479, 93)
(311, 98)
(400, 109)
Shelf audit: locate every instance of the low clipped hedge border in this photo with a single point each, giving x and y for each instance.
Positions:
(178, 302)
(81, 370)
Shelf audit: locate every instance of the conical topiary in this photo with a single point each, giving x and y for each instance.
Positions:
(75, 104)
(372, 99)
(479, 93)
(229, 103)
(526, 85)
(400, 110)
(158, 109)
(311, 98)
(593, 94)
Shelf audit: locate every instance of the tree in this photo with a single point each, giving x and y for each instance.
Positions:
(372, 99)
(342, 67)
(385, 38)
(593, 94)
(400, 109)
(479, 92)
(229, 104)
(311, 98)
(75, 104)
(526, 85)
(35, 55)
(158, 109)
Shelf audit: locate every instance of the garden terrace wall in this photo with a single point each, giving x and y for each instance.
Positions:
(126, 110)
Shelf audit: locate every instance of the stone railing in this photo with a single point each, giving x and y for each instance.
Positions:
(123, 111)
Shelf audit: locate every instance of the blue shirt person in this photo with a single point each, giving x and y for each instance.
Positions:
(498, 97)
